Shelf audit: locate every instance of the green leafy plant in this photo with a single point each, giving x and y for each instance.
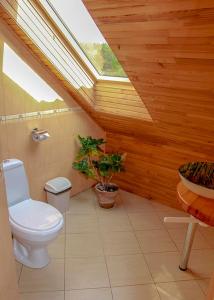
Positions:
(95, 163)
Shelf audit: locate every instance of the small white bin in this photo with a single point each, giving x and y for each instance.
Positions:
(58, 193)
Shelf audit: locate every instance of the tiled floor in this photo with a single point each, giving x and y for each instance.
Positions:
(126, 253)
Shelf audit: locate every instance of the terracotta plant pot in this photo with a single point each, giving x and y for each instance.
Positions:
(106, 199)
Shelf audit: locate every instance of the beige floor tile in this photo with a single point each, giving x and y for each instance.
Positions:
(89, 294)
(110, 223)
(18, 269)
(204, 284)
(166, 209)
(82, 273)
(128, 270)
(81, 223)
(178, 235)
(174, 225)
(208, 233)
(138, 292)
(171, 212)
(180, 290)
(43, 296)
(83, 245)
(158, 205)
(57, 247)
(117, 243)
(81, 204)
(136, 204)
(201, 263)
(86, 271)
(157, 240)
(145, 221)
(50, 278)
(165, 267)
(117, 210)
(89, 194)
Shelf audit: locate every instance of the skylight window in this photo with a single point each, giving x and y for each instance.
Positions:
(76, 23)
(17, 70)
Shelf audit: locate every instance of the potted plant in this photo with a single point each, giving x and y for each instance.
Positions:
(198, 177)
(95, 163)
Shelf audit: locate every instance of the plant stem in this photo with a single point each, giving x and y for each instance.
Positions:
(110, 178)
(99, 178)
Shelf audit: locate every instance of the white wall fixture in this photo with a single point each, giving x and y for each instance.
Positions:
(40, 135)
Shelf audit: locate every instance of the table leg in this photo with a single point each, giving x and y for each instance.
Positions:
(187, 246)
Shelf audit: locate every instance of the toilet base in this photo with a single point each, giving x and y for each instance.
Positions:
(32, 257)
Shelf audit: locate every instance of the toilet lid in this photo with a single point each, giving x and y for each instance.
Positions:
(35, 215)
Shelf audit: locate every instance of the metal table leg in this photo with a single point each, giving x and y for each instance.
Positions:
(187, 246)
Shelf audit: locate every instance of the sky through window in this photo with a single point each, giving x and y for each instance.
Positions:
(76, 23)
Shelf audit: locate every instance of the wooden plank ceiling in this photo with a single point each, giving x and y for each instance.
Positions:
(102, 96)
(166, 47)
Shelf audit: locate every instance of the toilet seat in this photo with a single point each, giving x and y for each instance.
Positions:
(35, 216)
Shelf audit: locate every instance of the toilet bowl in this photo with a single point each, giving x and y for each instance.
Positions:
(34, 224)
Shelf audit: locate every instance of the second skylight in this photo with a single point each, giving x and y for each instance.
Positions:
(76, 23)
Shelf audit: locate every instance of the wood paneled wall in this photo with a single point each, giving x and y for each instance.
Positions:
(119, 98)
(167, 49)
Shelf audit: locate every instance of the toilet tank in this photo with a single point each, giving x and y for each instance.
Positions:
(16, 183)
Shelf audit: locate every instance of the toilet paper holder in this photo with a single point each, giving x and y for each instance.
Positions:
(39, 135)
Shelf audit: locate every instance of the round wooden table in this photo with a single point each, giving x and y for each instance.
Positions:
(197, 206)
(202, 209)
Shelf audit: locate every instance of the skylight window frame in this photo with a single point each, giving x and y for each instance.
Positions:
(83, 59)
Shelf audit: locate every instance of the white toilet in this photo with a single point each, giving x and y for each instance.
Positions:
(34, 224)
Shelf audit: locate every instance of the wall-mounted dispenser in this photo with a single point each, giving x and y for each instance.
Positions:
(40, 135)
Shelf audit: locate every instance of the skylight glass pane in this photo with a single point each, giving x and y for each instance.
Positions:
(76, 23)
(26, 78)
(43, 36)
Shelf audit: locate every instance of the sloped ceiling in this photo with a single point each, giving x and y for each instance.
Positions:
(57, 56)
(167, 50)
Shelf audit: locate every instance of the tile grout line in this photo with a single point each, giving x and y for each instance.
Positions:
(156, 283)
(206, 238)
(100, 234)
(153, 282)
(167, 230)
(105, 259)
(164, 227)
(203, 292)
(200, 285)
(180, 250)
(141, 251)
